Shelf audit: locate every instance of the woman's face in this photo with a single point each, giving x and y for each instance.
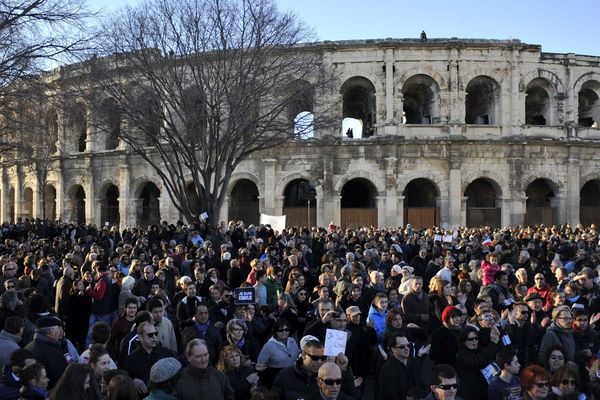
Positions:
(250, 311)
(301, 280)
(283, 332)
(540, 388)
(397, 321)
(355, 293)
(233, 359)
(302, 295)
(80, 285)
(393, 295)
(567, 385)
(447, 290)
(236, 332)
(87, 277)
(472, 341)
(559, 299)
(556, 360)
(41, 381)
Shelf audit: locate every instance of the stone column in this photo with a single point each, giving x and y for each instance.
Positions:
(18, 193)
(519, 208)
(337, 210)
(389, 86)
(517, 106)
(400, 210)
(278, 207)
(463, 211)
(572, 101)
(455, 107)
(443, 204)
(504, 204)
(4, 195)
(61, 195)
(269, 174)
(36, 204)
(127, 213)
(382, 220)
(573, 194)
(455, 198)
(224, 212)
(391, 193)
(90, 200)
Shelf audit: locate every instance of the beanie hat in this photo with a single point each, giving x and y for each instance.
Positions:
(48, 322)
(164, 369)
(446, 314)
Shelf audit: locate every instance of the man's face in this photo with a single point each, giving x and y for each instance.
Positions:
(131, 310)
(540, 281)
(101, 365)
(417, 285)
(330, 382)
(9, 285)
(355, 318)
(564, 319)
(340, 322)
(149, 338)
(446, 390)
(157, 313)
(503, 281)
(312, 359)
(522, 313)
(422, 253)
(201, 314)
(514, 366)
(581, 322)
(226, 297)
(324, 308)
(402, 349)
(148, 273)
(198, 357)
(381, 303)
(535, 305)
(10, 270)
(191, 290)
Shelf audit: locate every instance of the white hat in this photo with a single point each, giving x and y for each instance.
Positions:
(409, 268)
(396, 268)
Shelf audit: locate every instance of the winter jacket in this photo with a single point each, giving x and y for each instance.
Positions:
(197, 384)
(378, 318)
(278, 355)
(468, 365)
(557, 336)
(51, 355)
(489, 271)
(8, 344)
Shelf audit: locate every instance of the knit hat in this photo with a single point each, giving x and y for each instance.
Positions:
(306, 339)
(227, 256)
(47, 322)
(353, 310)
(447, 311)
(164, 369)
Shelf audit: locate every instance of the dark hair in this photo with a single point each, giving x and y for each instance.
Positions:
(391, 315)
(131, 300)
(18, 357)
(121, 387)
(70, 384)
(279, 323)
(30, 372)
(566, 371)
(143, 316)
(260, 274)
(530, 373)
(504, 357)
(100, 332)
(442, 371)
(390, 340)
(13, 324)
(464, 333)
(549, 352)
(111, 373)
(154, 303)
(97, 350)
(499, 274)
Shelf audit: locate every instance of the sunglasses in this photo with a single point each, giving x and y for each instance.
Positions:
(10, 287)
(331, 382)
(402, 346)
(448, 387)
(314, 357)
(568, 382)
(471, 339)
(283, 330)
(541, 385)
(151, 334)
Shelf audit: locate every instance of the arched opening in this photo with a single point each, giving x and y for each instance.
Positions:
(78, 204)
(76, 128)
(301, 98)
(243, 202)
(358, 103)
(51, 128)
(49, 202)
(589, 104)
(358, 204)
(149, 212)
(421, 208)
(11, 205)
(589, 203)
(300, 203)
(481, 204)
(541, 204)
(537, 103)
(111, 118)
(482, 102)
(109, 211)
(27, 211)
(420, 100)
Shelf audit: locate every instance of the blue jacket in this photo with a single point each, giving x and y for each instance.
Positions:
(378, 319)
(9, 387)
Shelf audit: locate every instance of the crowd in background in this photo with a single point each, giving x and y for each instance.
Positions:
(152, 312)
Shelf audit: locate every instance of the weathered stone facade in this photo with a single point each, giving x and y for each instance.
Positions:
(455, 132)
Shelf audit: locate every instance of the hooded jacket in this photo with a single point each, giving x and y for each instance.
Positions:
(557, 336)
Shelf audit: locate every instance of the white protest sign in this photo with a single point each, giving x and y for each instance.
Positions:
(335, 342)
(448, 238)
(277, 222)
(437, 238)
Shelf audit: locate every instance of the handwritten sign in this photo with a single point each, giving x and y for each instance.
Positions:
(335, 342)
(448, 238)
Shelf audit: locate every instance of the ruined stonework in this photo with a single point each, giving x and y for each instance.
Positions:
(449, 131)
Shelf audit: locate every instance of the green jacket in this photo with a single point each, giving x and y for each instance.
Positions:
(274, 288)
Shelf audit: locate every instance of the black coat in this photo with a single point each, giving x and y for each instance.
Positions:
(51, 355)
(468, 365)
(444, 346)
(396, 379)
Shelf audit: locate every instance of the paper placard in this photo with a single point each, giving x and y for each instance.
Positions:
(277, 222)
(335, 342)
(448, 238)
(490, 371)
(204, 216)
(437, 238)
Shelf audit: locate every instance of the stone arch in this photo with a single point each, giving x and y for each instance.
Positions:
(49, 205)
(483, 202)
(285, 180)
(248, 176)
(549, 76)
(421, 202)
(553, 182)
(76, 198)
(498, 182)
(103, 185)
(589, 201)
(139, 183)
(244, 202)
(439, 182)
(497, 75)
(11, 201)
(421, 100)
(590, 76)
(148, 204)
(376, 181)
(588, 98)
(483, 101)
(358, 202)
(540, 102)
(359, 106)
(75, 127)
(109, 114)
(300, 95)
(109, 195)
(422, 70)
(542, 200)
(51, 125)
(27, 210)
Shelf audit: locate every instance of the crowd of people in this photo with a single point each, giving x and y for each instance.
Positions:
(156, 312)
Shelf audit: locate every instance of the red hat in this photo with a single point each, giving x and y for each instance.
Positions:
(446, 313)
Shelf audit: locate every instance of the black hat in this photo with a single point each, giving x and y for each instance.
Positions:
(47, 322)
(533, 296)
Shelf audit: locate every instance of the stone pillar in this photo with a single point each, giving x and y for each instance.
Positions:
(167, 211)
(278, 208)
(18, 193)
(269, 174)
(400, 210)
(443, 204)
(320, 211)
(519, 208)
(90, 201)
(463, 211)
(61, 195)
(455, 198)
(561, 203)
(391, 193)
(4, 195)
(455, 107)
(90, 131)
(127, 213)
(517, 104)
(36, 204)
(224, 212)
(337, 210)
(573, 194)
(572, 100)
(382, 220)
(389, 86)
(504, 204)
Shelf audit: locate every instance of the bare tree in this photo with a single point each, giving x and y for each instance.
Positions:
(203, 84)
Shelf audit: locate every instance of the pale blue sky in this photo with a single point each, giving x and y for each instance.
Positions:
(559, 26)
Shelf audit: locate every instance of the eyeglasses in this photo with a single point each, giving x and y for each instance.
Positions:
(568, 382)
(315, 357)
(541, 385)
(331, 382)
(283, 330)
(470, 339)
(226, 296)
(301, 294)
(538, 279)
(401, 346)
(10, 287)
(151, 334)
(448, 387)
(566, 318)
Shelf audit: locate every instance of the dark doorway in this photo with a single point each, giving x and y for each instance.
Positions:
(358, 204)
(539, 205)
(110, 206)
(150, 212)
(243, 202)
(420, 204)
(300, 203)
(50, 202)
(589, 203)
(481, 204)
